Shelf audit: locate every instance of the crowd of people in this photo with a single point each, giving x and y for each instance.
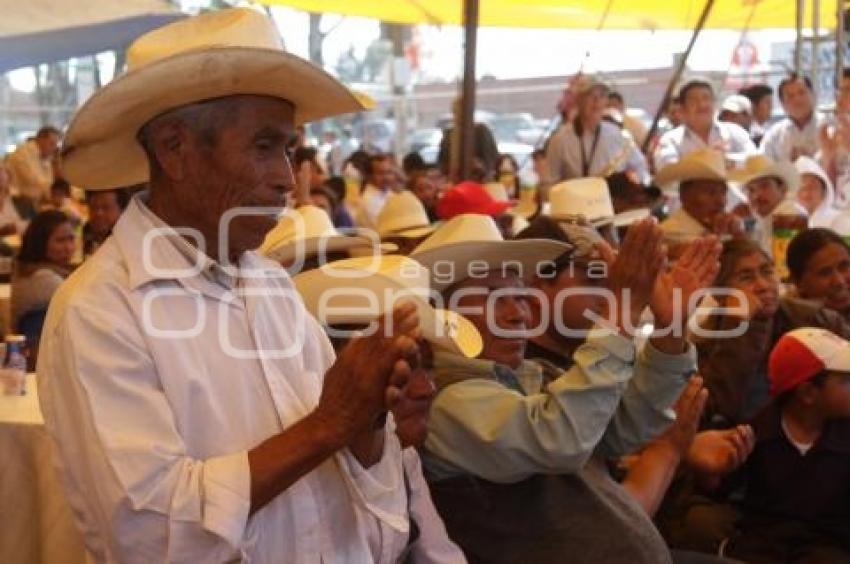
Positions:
(643, 357)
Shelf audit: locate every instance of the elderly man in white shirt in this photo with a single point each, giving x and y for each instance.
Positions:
(197, 410)
(701, 130)
(589, 146)
(798, 133)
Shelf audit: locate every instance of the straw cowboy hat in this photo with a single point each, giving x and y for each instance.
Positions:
(359, 290)
(403, 215)
(306, 231)
(475, 238)
(221, 53)
(762, 166)
(703, 164)
(589, 198)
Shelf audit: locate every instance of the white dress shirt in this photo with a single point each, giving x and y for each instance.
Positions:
(614, 152)
(784, 141)
(730, 139)
(156, 380)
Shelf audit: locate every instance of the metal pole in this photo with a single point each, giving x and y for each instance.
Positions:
(840, 43)
(815, 41)
(677, 74)
(798, 45)
(467, 110)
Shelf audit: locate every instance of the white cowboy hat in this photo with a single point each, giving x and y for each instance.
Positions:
(357, 291)
(403, 215)
(216, 54)
(703, 164)
(474, 238)
(589, 198)
(307, 231)
(762, 166)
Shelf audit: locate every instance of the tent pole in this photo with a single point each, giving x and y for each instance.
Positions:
(798, 44)
(840, 43)
(815, 42)
(467, 111)
(677, 74)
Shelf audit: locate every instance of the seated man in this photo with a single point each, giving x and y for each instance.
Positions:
(797, 481)
(347, 296)
(404, 222)
(197, 411)
(509, 448)
(702, 181)
(819, 264)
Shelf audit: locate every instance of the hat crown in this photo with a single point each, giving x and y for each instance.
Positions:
(588, 197)
(465, 228)
(235, 27)
(305, 222)
(402, 211)
(702, 164)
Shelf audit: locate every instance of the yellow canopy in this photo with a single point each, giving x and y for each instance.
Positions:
(579, 14)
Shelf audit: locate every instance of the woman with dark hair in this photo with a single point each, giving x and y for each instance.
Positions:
(733, 359)
(43, 263)
(507, 173)
(819, 262)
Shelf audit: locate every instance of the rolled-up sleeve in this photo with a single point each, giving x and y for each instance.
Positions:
(481, 427)
(140, 495)
(645, 407)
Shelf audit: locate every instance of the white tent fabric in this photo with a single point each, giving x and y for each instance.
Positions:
(39, 31)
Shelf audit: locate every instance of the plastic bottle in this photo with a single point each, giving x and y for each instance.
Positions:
(15, 367)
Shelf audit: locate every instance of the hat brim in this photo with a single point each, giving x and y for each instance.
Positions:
(444, 329)
(631, 216)
(527, 253)
(311, 247)
(100, 150)
(783, 170)
(413, 232)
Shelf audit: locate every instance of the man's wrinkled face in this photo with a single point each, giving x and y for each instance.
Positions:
(765, 194)
(704, 200)
(827, 277)
(574, 304)
(246, 167)
(698, 108)
(797, 100)
(755, 274)
(503, 324)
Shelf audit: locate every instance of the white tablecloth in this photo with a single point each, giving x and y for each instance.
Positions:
(36, 523)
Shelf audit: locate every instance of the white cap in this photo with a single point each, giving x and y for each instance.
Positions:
(738, 104)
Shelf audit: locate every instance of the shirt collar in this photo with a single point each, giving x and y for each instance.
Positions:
(835, 436)
(156, 251)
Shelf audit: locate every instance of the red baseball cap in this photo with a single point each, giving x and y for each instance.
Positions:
(469, 197)
(801, 354)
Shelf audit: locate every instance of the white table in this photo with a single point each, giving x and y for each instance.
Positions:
(36, 525)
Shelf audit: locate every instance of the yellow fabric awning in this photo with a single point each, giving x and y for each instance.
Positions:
(579, 14)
